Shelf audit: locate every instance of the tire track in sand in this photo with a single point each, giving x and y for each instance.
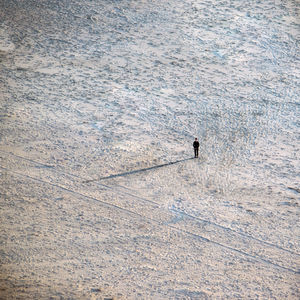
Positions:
(140, 207)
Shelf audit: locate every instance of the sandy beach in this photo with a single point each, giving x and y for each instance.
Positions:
(101, 197)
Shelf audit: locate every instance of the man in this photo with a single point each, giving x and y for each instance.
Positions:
(196, 147)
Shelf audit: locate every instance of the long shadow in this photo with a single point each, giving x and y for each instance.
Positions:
(138, 171)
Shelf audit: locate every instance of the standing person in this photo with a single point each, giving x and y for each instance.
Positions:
(196, 147)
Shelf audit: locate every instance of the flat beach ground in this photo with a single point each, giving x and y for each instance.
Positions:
(101, 197)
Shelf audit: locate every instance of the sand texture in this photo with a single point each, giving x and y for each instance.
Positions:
(100, 102)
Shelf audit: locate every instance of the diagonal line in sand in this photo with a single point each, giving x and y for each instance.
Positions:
(187, 232)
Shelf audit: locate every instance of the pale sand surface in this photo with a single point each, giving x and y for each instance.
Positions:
(91, 89)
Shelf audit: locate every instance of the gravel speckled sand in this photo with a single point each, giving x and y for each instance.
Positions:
(94, 95)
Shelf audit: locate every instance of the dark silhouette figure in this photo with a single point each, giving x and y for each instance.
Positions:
(196, 147)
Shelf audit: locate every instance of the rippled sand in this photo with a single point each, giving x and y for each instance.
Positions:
(94, 95)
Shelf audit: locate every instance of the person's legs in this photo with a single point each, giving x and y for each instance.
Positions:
(196, 152)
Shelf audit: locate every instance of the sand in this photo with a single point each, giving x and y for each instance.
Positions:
(100, 104)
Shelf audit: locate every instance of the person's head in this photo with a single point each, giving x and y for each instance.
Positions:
(196, 139)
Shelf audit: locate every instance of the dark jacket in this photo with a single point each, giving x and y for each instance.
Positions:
(196, 144)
